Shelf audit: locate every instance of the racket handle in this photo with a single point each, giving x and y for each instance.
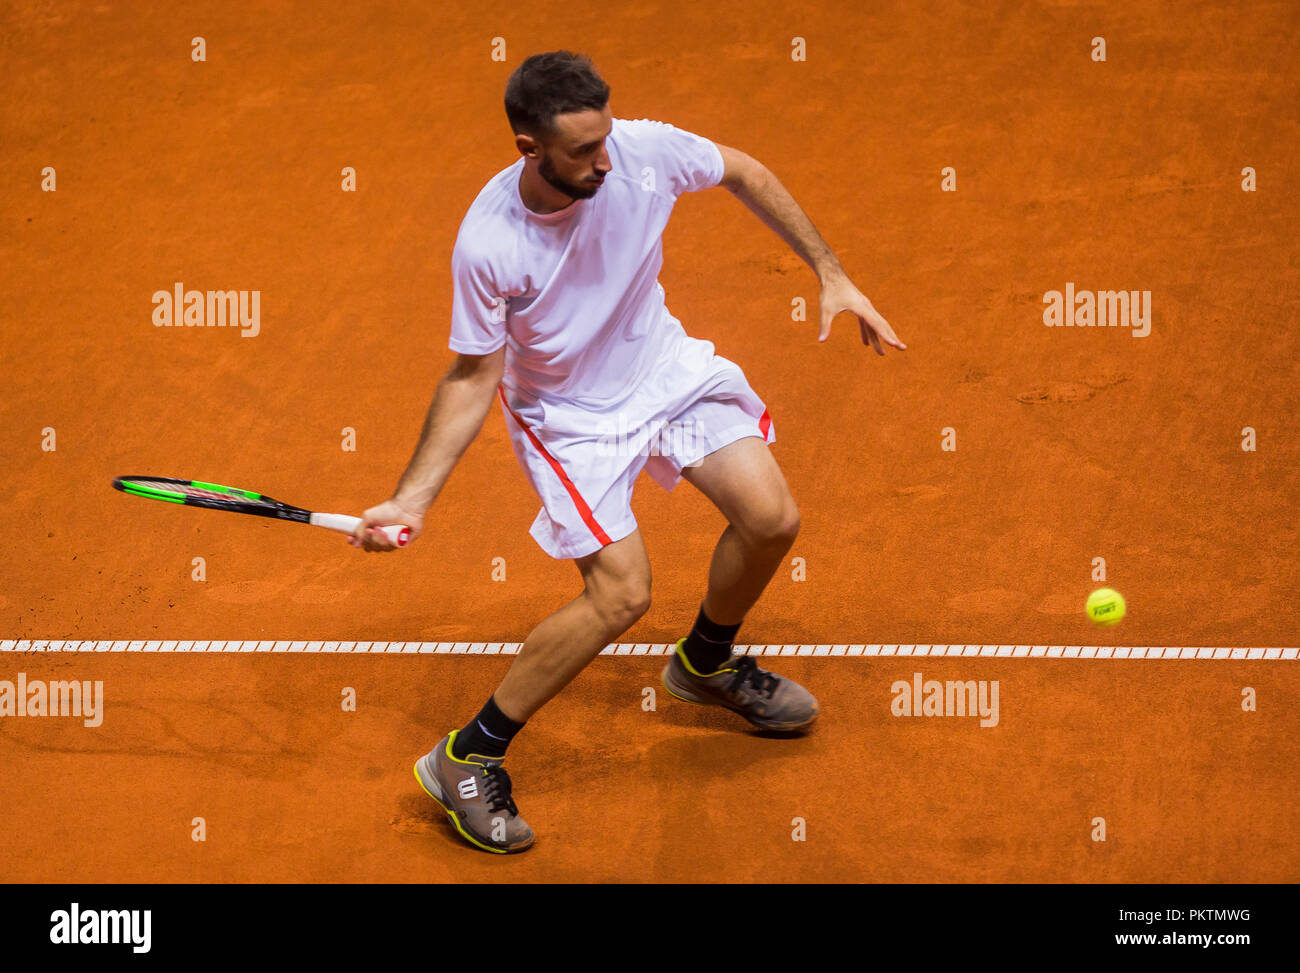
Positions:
(399, 535)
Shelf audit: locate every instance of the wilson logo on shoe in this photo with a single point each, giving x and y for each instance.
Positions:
(468, 788)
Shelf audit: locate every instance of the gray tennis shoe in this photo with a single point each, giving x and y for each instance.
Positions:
(767, 700)
(475, 793)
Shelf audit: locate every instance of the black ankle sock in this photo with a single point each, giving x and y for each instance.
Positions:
(709, 644)
(487, 734)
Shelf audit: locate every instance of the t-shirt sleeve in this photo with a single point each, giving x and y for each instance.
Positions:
(478, 310)
(686, 162)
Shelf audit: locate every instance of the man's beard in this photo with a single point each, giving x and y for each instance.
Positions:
(575, 190)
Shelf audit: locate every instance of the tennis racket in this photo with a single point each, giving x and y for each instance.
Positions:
(213, 496)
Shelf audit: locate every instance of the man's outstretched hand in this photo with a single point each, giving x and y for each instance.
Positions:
(838, 294)
(389, 513)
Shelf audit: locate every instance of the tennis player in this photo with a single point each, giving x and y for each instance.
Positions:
(558, 313)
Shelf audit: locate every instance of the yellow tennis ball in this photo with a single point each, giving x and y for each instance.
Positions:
(1105, 606)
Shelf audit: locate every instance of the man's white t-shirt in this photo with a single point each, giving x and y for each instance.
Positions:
(574, 295)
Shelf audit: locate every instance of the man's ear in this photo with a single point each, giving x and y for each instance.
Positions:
(528, 146)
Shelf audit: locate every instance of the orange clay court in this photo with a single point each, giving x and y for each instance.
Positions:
(1071, 444)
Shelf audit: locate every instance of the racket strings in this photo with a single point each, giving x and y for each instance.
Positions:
(198, 493)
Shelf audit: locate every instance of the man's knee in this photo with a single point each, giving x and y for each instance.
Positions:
(617, 583)
(622, 603)
(777, 526)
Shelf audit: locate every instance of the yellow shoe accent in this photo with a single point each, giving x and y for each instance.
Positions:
(690, 668)
(451, 753)
(664, 679)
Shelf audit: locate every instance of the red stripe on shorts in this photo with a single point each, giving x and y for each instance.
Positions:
(765, 423)
(574, 495)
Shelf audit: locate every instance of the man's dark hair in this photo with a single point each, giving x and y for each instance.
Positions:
(550, 84)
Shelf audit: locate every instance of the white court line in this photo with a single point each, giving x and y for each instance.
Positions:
(1164, 653)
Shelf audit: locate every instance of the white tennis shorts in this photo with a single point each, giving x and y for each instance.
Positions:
(583, 461)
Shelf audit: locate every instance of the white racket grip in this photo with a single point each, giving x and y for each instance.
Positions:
(401, 536)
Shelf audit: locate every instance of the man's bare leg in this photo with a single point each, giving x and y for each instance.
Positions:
(744, 482)
(616, 593)
(462, 773)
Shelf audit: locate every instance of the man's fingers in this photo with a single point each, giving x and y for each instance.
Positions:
(369, 519)
(876, 329)
(886, 333)
(377, 540)
(369, 537)
(870, 337)
(825, 333)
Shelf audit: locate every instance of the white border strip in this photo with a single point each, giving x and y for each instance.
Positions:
(645, 648)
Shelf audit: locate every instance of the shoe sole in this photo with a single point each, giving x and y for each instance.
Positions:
(761, 724)
(455, 819)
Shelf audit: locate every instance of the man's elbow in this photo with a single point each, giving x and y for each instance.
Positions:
(484, 370)
(740, 171)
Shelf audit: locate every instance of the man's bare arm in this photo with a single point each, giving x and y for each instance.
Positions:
(455, 416)
(754, 185)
